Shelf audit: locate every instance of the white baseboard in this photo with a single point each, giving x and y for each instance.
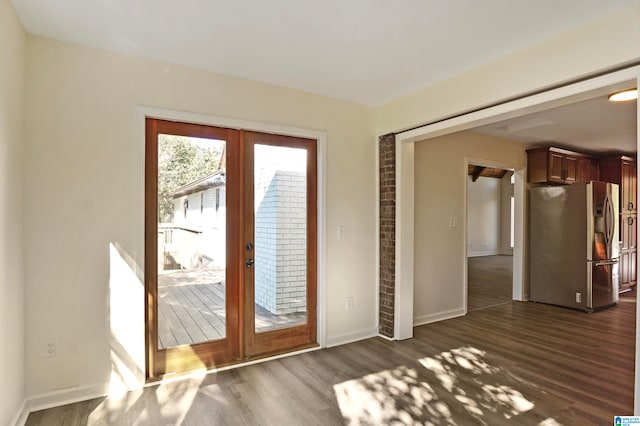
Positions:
(74, 394)
(351, 337)
(391, 339)
(65, 396)
(483, 253)
(440, 316)
(21, 416)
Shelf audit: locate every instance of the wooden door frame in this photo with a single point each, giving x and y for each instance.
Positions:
(143, 112)
(297, 337)
(209, 353)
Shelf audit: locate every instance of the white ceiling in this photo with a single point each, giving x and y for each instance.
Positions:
(368, 51)
(595, 125)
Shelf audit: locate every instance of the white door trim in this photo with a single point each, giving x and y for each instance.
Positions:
(405, 184)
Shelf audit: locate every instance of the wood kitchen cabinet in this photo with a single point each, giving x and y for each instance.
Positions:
(588, 169)
(556, 165)
(629, 187)
(622, 170)
(628, 252)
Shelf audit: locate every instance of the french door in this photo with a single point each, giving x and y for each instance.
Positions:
(230, 245)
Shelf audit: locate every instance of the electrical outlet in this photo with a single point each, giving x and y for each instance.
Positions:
(348, 303)
(578, 297)
(50, 348)
(453, 222)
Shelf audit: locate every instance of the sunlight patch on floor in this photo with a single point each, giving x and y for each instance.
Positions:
(485, 391)
(453, 387)
(549, 422)
(170, 401)
(388, 396)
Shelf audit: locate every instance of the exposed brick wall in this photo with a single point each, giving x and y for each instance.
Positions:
(387, 156)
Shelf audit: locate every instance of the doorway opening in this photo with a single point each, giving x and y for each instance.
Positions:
(406, 149)
(230, 243)
(490, 236)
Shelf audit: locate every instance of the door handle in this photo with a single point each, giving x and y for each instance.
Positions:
(630, 221)
(609, 220)
(249, 263)
(607, 262)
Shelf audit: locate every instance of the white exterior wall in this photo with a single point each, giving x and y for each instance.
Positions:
(280, 241)
(203, 239)
(266, 240)
(292, 243)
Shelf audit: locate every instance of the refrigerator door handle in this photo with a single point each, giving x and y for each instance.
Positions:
(607, 262)
(609, 220)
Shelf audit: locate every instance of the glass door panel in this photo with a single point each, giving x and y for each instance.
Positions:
(191, 240)
(230, 245)
(192, 229)
(280, 243)
(280, 235)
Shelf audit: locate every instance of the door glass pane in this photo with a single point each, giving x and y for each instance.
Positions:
(280, 208)
(191, 240)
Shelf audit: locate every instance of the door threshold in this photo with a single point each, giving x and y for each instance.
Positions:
(199, 373)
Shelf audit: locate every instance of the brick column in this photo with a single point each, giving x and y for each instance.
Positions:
(387, 151)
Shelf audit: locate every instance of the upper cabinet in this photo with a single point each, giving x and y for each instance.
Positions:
(622, 170)
(588, 169)
(557, 165)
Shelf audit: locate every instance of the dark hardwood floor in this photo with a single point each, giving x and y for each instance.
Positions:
(515, 363)
(489, 281)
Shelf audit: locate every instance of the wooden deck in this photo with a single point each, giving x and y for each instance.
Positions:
(191, 308)
(512, 364)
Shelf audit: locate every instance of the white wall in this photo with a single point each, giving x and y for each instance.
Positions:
(84, 200)
(506, 192)
(12, 51)
(483, 216)
(439, 250)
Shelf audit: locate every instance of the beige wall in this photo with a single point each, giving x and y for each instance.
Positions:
(84, 199)
(440, 179)
(84, 189)
(600, 45)
(12, 50)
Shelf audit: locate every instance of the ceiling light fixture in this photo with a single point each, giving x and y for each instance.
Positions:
(625, 95)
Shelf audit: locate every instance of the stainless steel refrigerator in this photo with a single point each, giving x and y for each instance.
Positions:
(573, 245)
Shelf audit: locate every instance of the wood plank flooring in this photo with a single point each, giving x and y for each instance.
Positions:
(515, 363)
(489, 281)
